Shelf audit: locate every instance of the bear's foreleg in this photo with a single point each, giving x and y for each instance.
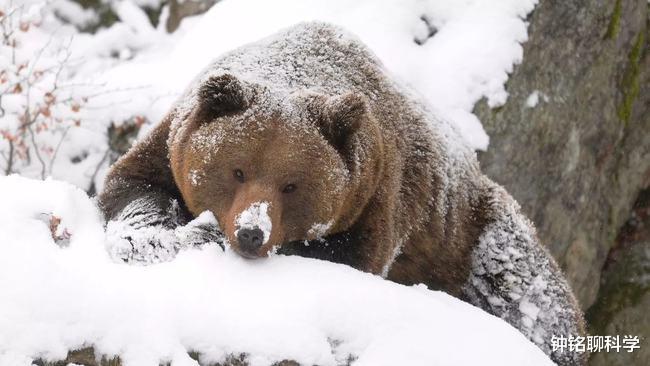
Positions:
(146, 218)
(516, 279)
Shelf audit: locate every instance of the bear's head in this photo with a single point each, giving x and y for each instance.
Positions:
(274, 167)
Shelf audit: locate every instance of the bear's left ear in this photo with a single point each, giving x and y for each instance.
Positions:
(343, 116)
(221, 95)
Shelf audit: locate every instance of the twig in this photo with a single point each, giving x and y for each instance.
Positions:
(38, 153)
(92, 188)
(58, 145)
(30, 121)
(10, 159)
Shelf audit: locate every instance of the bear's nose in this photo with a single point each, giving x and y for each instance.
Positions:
(250, 239)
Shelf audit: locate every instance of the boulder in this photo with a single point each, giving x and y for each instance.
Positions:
(572, 143)
(624, 296)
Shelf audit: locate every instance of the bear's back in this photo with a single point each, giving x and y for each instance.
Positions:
(316, 56)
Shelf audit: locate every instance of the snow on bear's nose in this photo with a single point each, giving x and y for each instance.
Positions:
(253, 227)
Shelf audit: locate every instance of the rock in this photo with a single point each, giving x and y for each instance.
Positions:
(107, 16)
(179, 9)
(122, 136)
(572, 143)
(86, 357)
(624, 296)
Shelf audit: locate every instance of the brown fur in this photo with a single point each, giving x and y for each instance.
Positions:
(405, 199)
(371, 205)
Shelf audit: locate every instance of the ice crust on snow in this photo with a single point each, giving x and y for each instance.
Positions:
(255, 216)
(54, 299)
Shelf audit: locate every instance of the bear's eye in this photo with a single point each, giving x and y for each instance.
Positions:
(239, 175)
(289, 188)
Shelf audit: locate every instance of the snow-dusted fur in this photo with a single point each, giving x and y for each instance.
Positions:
(516, 279)
(141, 234)
(417, 209)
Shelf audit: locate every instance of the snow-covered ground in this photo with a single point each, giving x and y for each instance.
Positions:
(56, 297)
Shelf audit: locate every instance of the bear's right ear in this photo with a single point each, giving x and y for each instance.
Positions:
(221, 95)
(343, 117)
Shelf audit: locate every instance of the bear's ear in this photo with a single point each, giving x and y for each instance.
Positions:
(221, 95)
(342, 116)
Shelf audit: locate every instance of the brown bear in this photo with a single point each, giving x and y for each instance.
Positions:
(304, 144)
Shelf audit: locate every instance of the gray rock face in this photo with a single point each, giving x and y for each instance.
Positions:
(179, 9)
(577, 159)
(624, 296)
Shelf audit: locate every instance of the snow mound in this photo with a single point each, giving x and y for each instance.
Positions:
(56, 297)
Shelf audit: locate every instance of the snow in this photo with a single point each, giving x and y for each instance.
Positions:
(135, 245)
(534, 98)
(131, 15)
(139, 236)
(320, 229)
(396, 252)
(73, 12)
(255, 216)
(53, 72)
(54, 298)
(195, 177)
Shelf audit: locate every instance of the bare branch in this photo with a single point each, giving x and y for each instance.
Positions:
(36, 152)
(91, 188)
(29, 120)
(10, 159)
(58, 146)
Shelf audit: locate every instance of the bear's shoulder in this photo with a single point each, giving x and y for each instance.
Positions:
(310, 55)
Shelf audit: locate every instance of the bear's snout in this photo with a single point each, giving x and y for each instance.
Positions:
(250, 240)
(251, 230)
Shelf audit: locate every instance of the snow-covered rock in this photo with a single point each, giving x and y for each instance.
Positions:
(54, 298)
